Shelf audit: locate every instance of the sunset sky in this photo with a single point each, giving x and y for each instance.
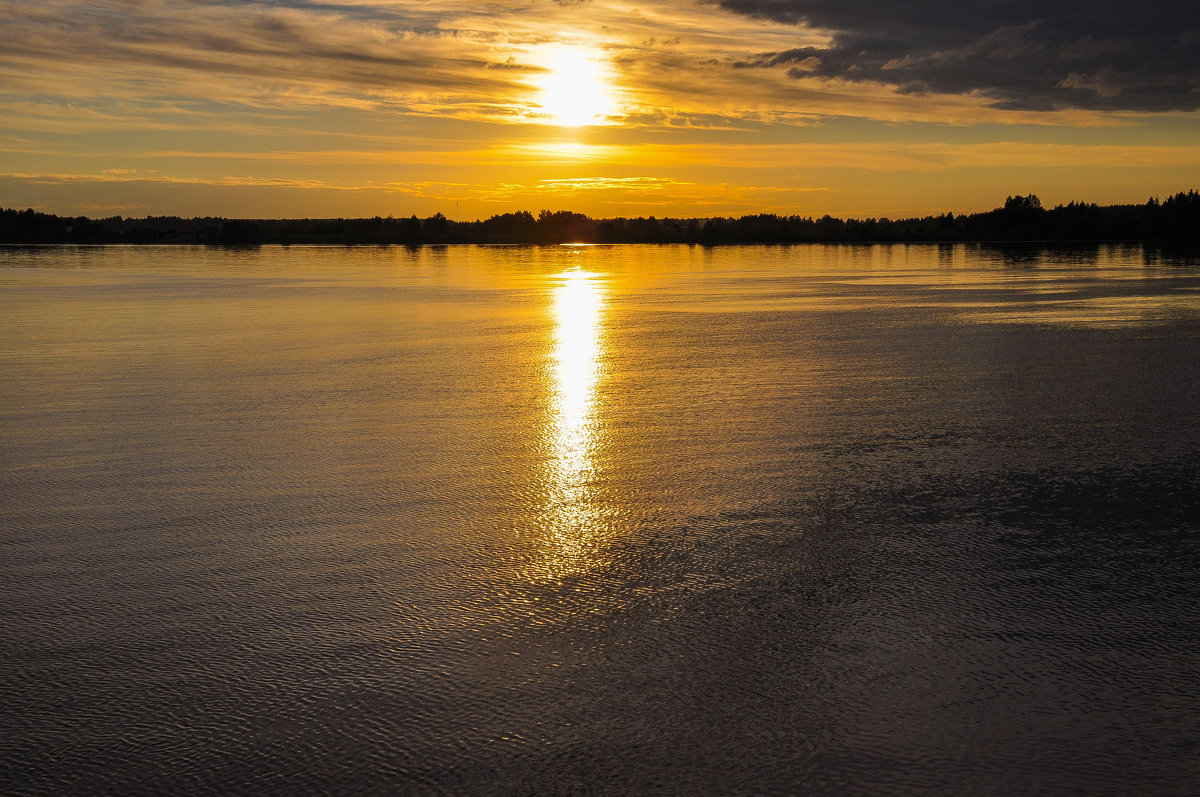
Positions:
(608, 107)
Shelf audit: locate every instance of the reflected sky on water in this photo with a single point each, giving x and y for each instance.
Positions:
(530, 520)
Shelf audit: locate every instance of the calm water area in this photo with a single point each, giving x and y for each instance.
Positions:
(599, 520)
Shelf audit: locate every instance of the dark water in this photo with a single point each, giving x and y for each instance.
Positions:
(628, 520)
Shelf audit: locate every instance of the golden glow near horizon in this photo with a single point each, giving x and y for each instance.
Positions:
(573, 520)
(575, 90)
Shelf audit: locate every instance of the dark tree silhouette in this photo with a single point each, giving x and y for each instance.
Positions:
(1020, 218)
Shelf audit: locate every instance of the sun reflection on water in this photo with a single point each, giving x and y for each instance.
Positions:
(574, 518)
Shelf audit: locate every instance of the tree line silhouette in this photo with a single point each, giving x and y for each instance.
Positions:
(1021, 218)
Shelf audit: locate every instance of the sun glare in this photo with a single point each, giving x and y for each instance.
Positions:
(575, 89)
(574, 518)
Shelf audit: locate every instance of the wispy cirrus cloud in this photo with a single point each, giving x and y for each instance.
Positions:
(170, 46)
(638, 184)
(135, 176)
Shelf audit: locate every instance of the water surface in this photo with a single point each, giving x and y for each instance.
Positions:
(509, 520)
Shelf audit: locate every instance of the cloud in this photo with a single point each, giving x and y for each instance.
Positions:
(132, 176)
(325, 107)
(1021, 54)
(407, 57)
(241, 52)
(110, 64)
(608, 184)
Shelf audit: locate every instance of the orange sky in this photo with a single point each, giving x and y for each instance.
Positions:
(363, 108)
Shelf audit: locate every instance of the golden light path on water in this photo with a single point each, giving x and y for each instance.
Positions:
(574, 519)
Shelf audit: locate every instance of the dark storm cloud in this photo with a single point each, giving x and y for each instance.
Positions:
(1024, 54)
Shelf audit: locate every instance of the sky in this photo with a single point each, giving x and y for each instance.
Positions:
(691, 108)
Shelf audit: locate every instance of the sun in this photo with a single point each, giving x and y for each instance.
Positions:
(575, 89)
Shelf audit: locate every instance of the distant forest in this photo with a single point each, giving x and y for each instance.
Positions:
(1021, 218)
